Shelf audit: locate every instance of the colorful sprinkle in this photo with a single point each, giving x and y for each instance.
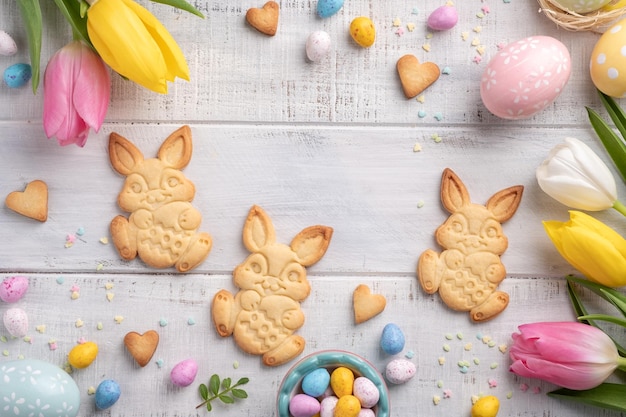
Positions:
(449, 336)
(409, 354)
(447, 393)
(476, 361)
(5, 353)
(399, 32)
(397, 22)
(420, 204)
(79, 323)
(118, 319)
(438, 117)
(441, 360)
(159, 363)
(446, 71)
(191, 321)
(421, 98)
(410, 27)
(492, 383)
(236, 365)
(494, 365)
(162, 322)
(503, 348)
(99, 326)
(446, 347)
(467, 347)
(436, 399)
(110, 296)
(421, 114)
(41, 328)
(109, 286)
(523, 387)
(417, 147)
(459, 336)
(91, 390)
(439, 384)
(104, 240)
(426, 47)
(537, 390)
(509, 395)
(52, 344)
(80, 231)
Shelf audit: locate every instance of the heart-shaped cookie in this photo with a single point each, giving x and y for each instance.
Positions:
(366, 305)
(265, 20)
(142, 346)
(32, 202)
(416, 77)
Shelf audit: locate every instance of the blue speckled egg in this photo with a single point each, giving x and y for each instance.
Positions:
(315, 382)
(30, 387)
(17, 75)
(392, 339)
(107, 394)
(327, 8)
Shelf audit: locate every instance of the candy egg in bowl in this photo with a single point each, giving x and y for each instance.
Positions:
(327, 372)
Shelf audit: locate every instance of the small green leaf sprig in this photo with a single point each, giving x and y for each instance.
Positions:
(228, 394)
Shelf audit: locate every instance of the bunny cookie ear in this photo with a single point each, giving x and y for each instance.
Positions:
(176, 150)
(258, 230)
(454, 194)
(123, 154)
(504, 203)
(311, 244)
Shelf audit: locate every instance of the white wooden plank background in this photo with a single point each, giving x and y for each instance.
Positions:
(327, 143)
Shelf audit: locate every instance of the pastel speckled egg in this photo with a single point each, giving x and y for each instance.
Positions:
(581, 6)
(608, 61)
(525, 77)
(327, 406)
(107, 394)
(302, 405)
(366, 412)
(327, 8)
(392, 339)
(443, 18)
(347, 406)
(315, 382)
(399, 371)
(342, 381)
(184, 373)
(17, 75)
(317, 45)
(12, 289)
(16, 322)
(366, 391)
(7, 44)
(32, 387)
(363, 31)
(82, 355)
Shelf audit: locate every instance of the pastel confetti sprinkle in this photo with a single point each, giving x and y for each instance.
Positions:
(191, 321)
(99, 326)
(447, 393)
(75, 288)
(429, 35)
(236, 365)
(79, 323)
(410, 27)
(91, 390)
(480, 15)
(537, 390)
(70, 238)
(478, 29)
(436, 399)
(417, 147)
(108, 286)
(5, 352)
(159, 363)
(75, 295)
(464, 35)
(399, 31)
(60, 280)
(523, 387)
(446, 348)
(421, 114)
(421, 98)
(438, 117)
(104, 240)
(485, 9)
(28, 339)
(162, 322)
(41, 328)
(503, 348)
(3, 339)
(80, 231)
(467, 347)
(118, 319)
(100, 267)
(110, 296)
(397, 22)
(52, 344)
(415, 11)
(476, 361)
(409, 354)
(477, 59)
(494, 365)
(509, 395)
(426, 47)
(441, 360)
(480, 49)
(436, 138)
(459, 336)
(446, 71)
(449, 336)
(486, 339)
(440, 384)
(474, 398)
(492, 383)
(475, 42)
(491, 343)
(464, 369)
(420, 204)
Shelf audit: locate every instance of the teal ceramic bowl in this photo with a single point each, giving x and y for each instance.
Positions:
(330, 359)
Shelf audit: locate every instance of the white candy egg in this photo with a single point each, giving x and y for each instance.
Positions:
(7, 44)
(608, 61)
(525, 77)
(581, 6)
(16, 322)
(317, 45)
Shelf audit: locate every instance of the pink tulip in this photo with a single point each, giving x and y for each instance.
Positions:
(569, 354)
(77, 87)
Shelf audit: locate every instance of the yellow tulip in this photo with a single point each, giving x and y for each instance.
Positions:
(135, 44)
(591, 247)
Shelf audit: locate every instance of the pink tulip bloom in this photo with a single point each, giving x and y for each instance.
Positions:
(77, 87)
(569, 354)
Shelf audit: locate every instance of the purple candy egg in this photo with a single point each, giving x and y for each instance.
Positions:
(12, 289)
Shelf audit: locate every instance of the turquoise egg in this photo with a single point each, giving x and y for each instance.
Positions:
(315, 382)
(30, 387)
(327, 8)
(17, 75)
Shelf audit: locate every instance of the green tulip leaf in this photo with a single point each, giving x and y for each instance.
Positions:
(182, 5)
(609, 294)
(606, 395)
(71, 9)
(604, 317)
(613, 144)
(615, 112)
(31, 16)
(577, 303)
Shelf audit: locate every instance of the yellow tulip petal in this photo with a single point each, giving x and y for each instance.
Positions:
(174, 58)
(616, 240)
(123, 42)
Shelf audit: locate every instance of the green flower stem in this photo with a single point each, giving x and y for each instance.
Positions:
(617, 205)
(621, 364)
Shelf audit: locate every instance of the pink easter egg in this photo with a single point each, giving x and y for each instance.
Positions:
(525, 77)
(184, 373)
(16, 322)
(443, 18)
(12, 289)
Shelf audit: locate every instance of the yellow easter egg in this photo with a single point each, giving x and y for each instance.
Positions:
(82, 355)
(347, 406)
(342, 381)
(614, 5)
(608, 61)
(363, 31)
(487, 406)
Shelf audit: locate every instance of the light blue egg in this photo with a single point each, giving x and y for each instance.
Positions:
(327, 8)
(315, 382)
(392, 339)
(17, 75)
(107, 394)
(30, 387)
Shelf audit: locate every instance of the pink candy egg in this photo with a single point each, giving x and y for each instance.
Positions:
(302, 405)
(16, 322)
(184, 373)
(12, 289)
(525, 77)
(443, 18)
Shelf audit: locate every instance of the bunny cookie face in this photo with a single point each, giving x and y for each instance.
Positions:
(468, 271)
(265, 313)
(162, 226)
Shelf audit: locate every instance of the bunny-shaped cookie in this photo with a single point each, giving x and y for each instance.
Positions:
(162, 227)
(468, 271)
(265, 313)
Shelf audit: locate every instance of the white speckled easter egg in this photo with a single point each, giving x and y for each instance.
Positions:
(317, 45)
(608, 61)
(581, 6)
(366, 391)
(399, 371)
(7, 44)
(327, 8)
(328, 405)
(30, 387)
(184, 373)
(12, 289)
(525, 77)
(16, 322)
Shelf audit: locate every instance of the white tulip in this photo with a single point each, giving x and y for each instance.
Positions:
(576, 177)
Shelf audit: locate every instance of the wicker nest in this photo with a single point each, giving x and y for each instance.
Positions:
(596, 21)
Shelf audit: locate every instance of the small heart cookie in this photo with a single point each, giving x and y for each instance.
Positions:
(264, 20)
(32, 202)
(142, 346)
(416, 77)
(366, 305)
